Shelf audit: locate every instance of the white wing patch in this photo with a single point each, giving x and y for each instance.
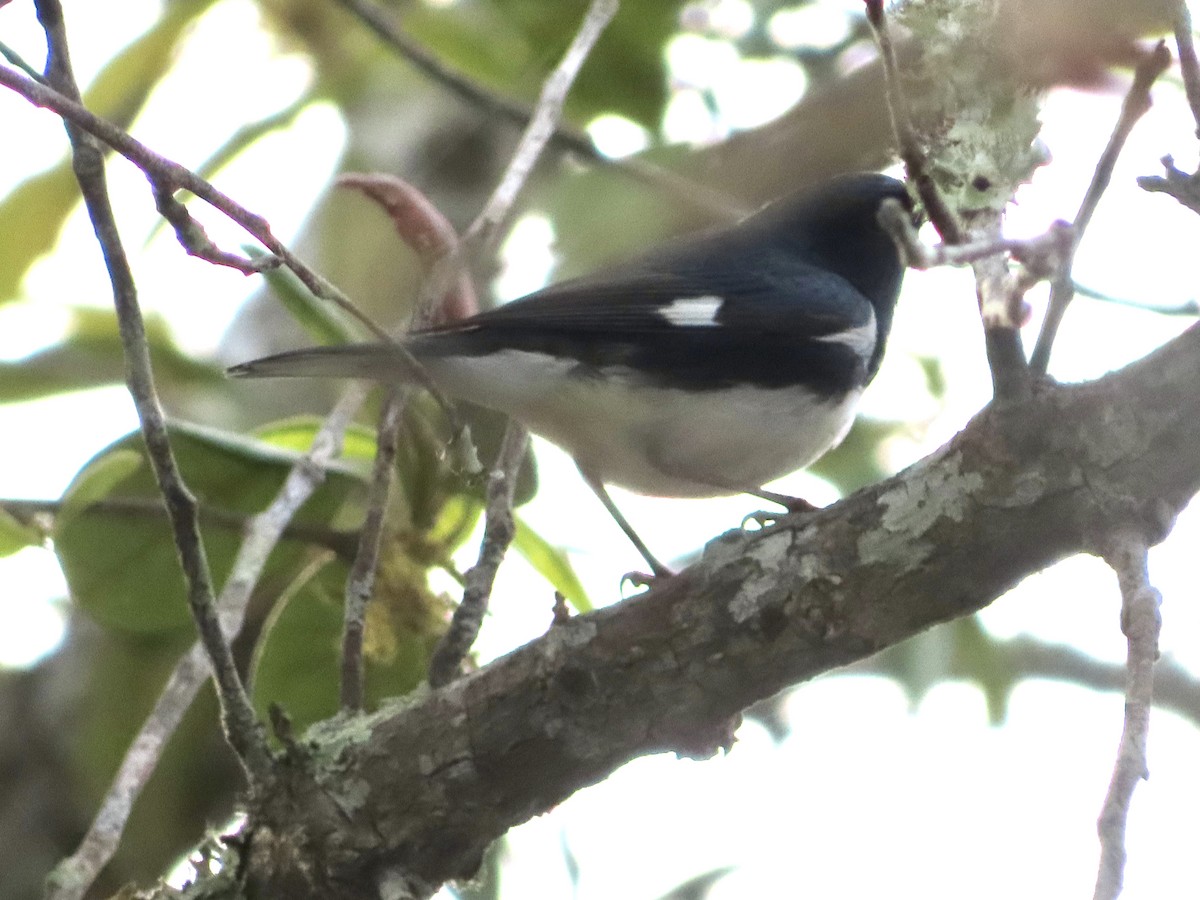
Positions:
(693, 311)
(860, 339)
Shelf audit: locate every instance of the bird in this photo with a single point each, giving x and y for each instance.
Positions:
(704, 367)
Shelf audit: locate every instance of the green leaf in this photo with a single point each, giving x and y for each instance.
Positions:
(459, 515)
(319, 318)
(30, 218)
(32, 215)
(552, 564)
(297, 433)
(16, 535)
(97, 480)
(120, 560)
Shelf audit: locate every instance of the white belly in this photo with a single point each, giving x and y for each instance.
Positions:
(654, 440)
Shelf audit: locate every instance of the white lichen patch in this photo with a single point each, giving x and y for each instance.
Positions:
(748, 603)
(570, 635)
(931, 493)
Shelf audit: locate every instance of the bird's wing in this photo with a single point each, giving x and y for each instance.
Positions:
(756, 322)
(682, 321)
(796, 300)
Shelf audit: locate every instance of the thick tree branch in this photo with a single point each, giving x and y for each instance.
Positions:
(436, 778)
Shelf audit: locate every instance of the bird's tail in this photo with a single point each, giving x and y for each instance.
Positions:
(382, 362)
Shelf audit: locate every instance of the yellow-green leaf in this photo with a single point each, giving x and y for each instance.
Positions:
(552, 564)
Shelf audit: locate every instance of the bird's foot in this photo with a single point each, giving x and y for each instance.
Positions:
(764, 518)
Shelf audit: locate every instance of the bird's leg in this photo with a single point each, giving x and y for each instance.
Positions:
(659, 570)
(791, 504)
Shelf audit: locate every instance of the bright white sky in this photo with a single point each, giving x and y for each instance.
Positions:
(866, 794)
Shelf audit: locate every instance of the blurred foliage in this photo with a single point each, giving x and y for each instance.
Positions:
(297, 663)
(32, 215)
(90, 355)
(16, 535)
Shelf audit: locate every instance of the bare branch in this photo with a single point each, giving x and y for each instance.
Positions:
(498, 532)
(1178, 184)
(17, 60)
(361, 583)
(74, 876)
(1189, 65)
(1029, 659)
(387, 30)
(486, 227)
(1135, 105)
(1141, 623)
(195, 240)
(1041, 255)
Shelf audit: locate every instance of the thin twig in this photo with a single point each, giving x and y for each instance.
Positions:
(485, 230)
(498, 531)
(1135, 105)
(1039, 254)
(242, 728)
(361, 583)
(1141, 623)
(74, 876)
(916, 164)
(19, 61)
(1176, 688)
(1189, 307)
(541, 128)
(421, 225)
(1189, 65)
(1178, 184)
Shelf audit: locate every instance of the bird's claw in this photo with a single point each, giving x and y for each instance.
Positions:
(764, 519)
(641, 580)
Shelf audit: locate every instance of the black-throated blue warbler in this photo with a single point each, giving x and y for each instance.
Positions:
(705, 367)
